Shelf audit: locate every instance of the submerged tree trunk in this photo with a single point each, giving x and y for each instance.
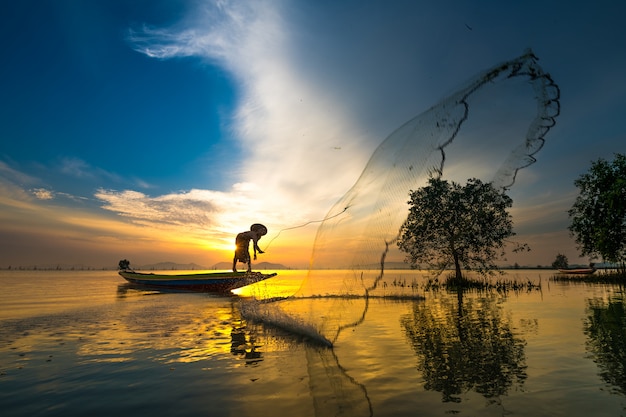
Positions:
(457, 268)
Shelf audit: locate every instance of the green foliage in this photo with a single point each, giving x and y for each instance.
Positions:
(460, 226)
(560, 262)
(124, 264)
(599, 212)
(606, 339)
(466, 346)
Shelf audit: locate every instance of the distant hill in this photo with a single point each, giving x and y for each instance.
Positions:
(388, 266)
(268, 265)
(255, 266)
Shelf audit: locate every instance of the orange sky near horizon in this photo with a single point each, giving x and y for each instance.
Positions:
(47, 236)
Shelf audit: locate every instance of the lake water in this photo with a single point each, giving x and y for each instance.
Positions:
(84, 343)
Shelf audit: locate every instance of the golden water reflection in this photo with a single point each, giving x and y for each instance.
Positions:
(144, 325)
(184, 331)
(562, 349)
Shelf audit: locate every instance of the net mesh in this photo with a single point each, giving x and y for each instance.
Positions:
(489, 129)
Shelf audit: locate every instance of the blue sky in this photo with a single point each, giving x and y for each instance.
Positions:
(155, 130)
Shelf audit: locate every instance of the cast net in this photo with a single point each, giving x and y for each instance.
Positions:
(489, 129)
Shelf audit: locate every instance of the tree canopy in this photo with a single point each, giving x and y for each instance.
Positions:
(560, 262)
(599, 213)
(449, 225)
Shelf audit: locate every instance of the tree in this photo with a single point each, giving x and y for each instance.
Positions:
(560, 262)
(124, 264)
(599, 212)
(453, 225)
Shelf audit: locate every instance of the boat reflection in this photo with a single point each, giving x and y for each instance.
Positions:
(128, 289)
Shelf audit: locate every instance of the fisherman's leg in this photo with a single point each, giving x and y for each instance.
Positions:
(235, 264)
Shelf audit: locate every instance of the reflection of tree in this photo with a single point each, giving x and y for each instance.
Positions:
(465, 346)
(605, 328)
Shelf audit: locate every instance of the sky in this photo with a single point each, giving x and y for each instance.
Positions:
(156, 130)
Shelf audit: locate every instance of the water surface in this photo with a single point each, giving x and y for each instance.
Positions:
(77, 343)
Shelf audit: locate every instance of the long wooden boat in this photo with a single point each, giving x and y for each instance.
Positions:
(209, 282)
(578, 271)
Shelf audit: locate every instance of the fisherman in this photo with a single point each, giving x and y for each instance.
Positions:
(242, 243)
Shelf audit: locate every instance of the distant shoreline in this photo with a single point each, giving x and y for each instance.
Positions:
(260, 267)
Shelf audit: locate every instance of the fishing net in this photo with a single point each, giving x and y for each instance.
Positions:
(489, 129)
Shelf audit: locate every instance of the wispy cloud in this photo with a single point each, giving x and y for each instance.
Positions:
(174, 209)
(75, 167)
(19, 186)
(14, 192)
(78, 168)
(16, 176)
(300, 144)
(212, 215)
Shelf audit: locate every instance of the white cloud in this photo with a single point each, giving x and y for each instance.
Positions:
(302, 150)
(213, 214)
(43, 194)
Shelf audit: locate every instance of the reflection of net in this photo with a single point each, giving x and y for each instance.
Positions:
(334, 392)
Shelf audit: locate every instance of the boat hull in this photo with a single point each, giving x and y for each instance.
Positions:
(207, 282)
(579, 271)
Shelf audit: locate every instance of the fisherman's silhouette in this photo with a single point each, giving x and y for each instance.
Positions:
(242, 243)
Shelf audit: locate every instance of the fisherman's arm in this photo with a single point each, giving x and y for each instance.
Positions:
(256, 247)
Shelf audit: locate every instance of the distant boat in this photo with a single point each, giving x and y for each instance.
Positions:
(208, 282)
(577, 271)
